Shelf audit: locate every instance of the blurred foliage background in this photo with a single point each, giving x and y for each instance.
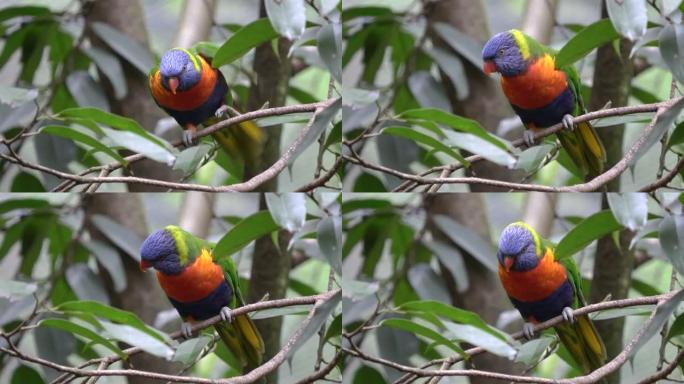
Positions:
(404, 251)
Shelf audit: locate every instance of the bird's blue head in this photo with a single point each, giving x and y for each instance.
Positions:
(159, 251)
(519, 247)
(506, 53)
(180, 70)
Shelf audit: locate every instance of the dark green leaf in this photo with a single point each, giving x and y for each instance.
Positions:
(672, 48)
(288, 17)
(630, 209)
(242, 41)
(29, 10)
(409, 326)
(125, 46)
(593, 36)
(412, 134)
(588, 230)
(329, 236)
(246, 231)
(70, 133)
(76, 329)
(287, 209)
(26, 182)
(468, 240)
(672, 240)
(121, 236)
(25, 374)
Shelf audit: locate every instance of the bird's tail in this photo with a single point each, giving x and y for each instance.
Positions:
(243, 339)
(243, 143)
(585, 149)
(583, 343)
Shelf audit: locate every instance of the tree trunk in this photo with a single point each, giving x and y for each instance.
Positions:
(484, 294)
(486, 103)
(142, 295)
(127, 17)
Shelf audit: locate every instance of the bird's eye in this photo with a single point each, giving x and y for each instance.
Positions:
(500, 52)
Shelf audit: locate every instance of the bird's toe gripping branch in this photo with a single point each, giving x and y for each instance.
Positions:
(186, 330)
(569, 122)
(528, 138)
(221, 112)
(528, 331)
(226, 314)
(568, 315)
(188, 139)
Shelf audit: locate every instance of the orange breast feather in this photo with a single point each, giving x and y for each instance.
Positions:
(537, 87)
(535, 284)
(195, 282)
(189, 99)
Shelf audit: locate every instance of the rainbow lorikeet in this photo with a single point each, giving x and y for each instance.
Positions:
(542, 287)
(186, 86)
(200, 285)
(544, 95)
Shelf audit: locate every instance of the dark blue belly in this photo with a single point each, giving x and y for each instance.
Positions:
(550, 114)
(547, 308)
(208, 307)
(205, 110)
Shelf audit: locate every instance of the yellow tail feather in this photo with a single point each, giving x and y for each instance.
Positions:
(242, 142)
(583, 343)
(243, 340)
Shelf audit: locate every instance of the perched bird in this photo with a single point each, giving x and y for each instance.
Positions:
(201, 285)
(194, 93)
(542, 287)
(543, 95)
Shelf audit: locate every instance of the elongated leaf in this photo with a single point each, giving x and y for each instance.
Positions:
(417, 329)
(189, 350)
(662, 314)
(630, 209)
(121, 236)
(427, 284)
(140, 144)
(468, 240)
(110, 67)
(284, 311)
(672, 240)
(629, 17)
(110, 260)
(287, 209)
(330, 48)
(85, 283)
(482, 147)
(86, 91)
(138, 338)
(70, 133)
(412, 134)
(243, 40)
(321, 314)
(530, 352)
(593, 36)
(13, 289)
(661, 126)
(588, 230)
(321, 122)
(672, 48)
(453, 260)
(461, 43)
(480, 338)
(329, 236)
(14, 97)
(68, 326)
(128, 48)
(246, 231)
(288, 17)
(453, 68)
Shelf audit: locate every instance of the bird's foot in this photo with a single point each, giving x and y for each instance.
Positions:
(186, 330)
(568, 315)
(528, 138)
(528, 331)
(222, 111)
(189, 139)
(568, 122)
(226, 314)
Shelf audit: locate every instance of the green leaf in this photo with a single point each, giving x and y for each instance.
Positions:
(453, 68)
(138, 338)
(288, 17)
(629, 17)
(671, 234)
(86, 91)
(287, 209)
(121, 236)
(246, 231)
(457, 122)
(284, 119)
(677, 136)
(639, 310)
(427, 283)
(662, 125)
(14, 97)
(468, 240)
(662, 314)
(242, 41)
(68, 326)
(110, 67)
(330, 48)
(320, 123)
(29, 10)
(531, 159)
(26, 182)
(12, 204)
(70, 133)
(412, 134)
(320, 315)
(140, 144)
(284, 311)
(593, 36)
(329, 236)
(452, 259)
(533, 350)
(671, 43)
(417, 329)
(190, 158)
(677, 328)
(125, 46)
(368, 375)
(85, 283)
(110, 260)
(480, 338)
(630, 209)
(588, 230)
(188, 351)
(484, 148)
(25, 374)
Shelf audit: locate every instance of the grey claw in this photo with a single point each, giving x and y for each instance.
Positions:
(186, 330)
(569, 122)
(221, 112)
(528, 138)
(568, 315)
(528, 331)
(188, 139)
(226, 314)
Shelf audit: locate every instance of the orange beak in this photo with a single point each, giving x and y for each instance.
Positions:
(144, 265)
(489, 67)
(173, 84)
(508, 263)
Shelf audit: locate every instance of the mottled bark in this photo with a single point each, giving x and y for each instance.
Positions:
(273, 76)
(612, 78)
(142, 295)
(269, 276)
(127, 17)
(485, 103)
(484, 294)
